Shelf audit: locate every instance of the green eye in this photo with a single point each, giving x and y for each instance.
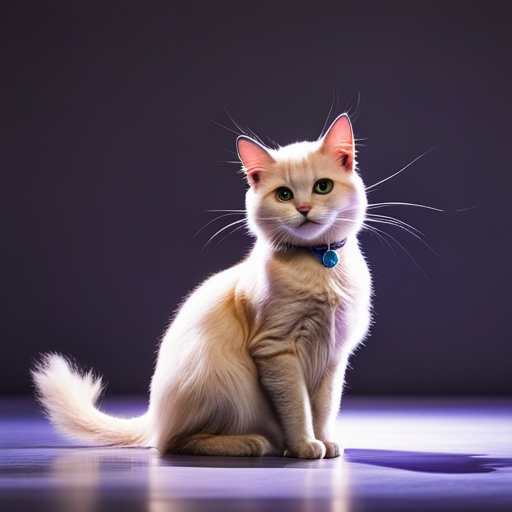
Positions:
(323, 186)
(284, 194)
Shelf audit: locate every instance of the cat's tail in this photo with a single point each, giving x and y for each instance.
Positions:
(69, 397)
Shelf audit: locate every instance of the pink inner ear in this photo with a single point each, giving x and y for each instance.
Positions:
(254, 157)
(339, 141)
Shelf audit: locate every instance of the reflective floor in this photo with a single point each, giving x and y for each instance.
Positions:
(401, 455)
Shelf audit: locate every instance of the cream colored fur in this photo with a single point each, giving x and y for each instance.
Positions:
(255, 358)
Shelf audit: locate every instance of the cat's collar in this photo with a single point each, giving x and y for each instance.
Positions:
(326, 253)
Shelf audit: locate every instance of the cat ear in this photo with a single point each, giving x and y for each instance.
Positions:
(254, 157)
(339, 142)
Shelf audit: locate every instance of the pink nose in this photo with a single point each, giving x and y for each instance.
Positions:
(303, 208)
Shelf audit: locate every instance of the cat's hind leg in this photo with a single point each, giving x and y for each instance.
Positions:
(223, 445)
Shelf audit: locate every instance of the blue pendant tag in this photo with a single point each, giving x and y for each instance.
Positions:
(330, 258)
(326, 254)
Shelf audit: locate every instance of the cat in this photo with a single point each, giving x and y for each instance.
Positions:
(254, 360)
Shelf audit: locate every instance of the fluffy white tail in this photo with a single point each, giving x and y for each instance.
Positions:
(69, 397)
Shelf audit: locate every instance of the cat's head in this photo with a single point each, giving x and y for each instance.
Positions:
(307, 193)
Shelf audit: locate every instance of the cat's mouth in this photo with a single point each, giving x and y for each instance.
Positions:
(307, 222)
(308, 228)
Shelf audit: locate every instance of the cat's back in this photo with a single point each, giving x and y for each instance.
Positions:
(211, 302)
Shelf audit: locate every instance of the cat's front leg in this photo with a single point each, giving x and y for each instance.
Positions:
(325, 406)
(281, 376)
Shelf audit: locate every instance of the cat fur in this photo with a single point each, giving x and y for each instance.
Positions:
(254, 361)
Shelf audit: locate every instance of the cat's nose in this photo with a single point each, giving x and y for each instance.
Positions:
(304, 209)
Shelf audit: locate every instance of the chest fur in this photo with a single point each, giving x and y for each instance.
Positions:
(301, 307)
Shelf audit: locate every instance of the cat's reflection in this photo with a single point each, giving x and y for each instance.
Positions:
(240, 484)
(93, 479)
(76, 476)
(86, 479)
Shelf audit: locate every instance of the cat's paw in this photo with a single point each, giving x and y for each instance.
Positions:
(256, 446)
(332, 449)
(307, 450)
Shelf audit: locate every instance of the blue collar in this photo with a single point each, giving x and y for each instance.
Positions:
(327, 254)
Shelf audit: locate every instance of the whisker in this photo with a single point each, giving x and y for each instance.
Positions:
(410, 256)
(400, 224)
(216, 218)
(222, 126)
(240, 130)
(247, 131)
(415, 236)
(398, 172)
(324, 127)
(394, 222)
(277, 237)
(358, 102)
(412, 233)
(223, 229)
(377, 232)
(396, 203)
(234, 162)
(390, 217)
(230, 211)
(269, 218)
(229, 234)
(389, 223)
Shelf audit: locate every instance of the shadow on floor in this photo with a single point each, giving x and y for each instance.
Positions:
(427, 462)
(423, 462)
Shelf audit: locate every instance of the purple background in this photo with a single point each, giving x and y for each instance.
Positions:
(109, 161)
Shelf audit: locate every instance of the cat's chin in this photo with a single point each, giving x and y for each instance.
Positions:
(311, 233)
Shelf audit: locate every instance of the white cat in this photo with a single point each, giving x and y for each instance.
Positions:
(254, 361)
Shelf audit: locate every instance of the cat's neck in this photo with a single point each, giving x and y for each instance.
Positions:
(287, 247)
(263, 250)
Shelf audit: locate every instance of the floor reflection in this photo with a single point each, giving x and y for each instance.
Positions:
(408, 457)
(82, 479)
(244, 481)
(76, 477)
